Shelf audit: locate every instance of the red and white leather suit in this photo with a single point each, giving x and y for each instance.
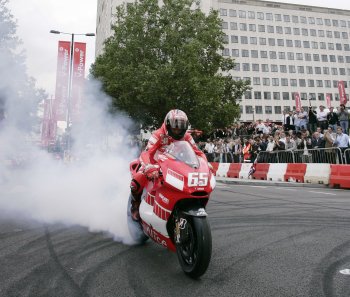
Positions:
(157, 143)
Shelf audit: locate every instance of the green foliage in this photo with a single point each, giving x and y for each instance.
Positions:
(164, 57)
(18, 96)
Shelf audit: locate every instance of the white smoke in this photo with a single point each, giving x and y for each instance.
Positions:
(90, 191)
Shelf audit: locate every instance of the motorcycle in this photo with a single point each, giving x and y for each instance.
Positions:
(172, 209)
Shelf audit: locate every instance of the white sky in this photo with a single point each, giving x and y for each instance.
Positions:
(37, 17)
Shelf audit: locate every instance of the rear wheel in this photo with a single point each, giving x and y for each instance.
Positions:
(194, 246)
(135, 228)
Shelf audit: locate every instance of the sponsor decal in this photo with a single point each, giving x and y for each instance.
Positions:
(201, 212)
(164, 199)
(175, 179)
(182, 224)
(157, 237)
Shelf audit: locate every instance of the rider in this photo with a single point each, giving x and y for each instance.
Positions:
(173, 129)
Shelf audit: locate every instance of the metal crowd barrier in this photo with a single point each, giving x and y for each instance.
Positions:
(331, 155)
(347, 156)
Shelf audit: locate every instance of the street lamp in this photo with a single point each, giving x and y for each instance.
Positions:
(70, 77)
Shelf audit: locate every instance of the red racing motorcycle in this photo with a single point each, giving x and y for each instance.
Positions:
(172, 208)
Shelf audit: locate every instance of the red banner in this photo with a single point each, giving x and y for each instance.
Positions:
(297, 101)
(62, 80)
(342, 94)
(48, 131)
(78, 79)
(328, 100)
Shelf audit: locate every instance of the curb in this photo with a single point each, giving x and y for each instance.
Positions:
(254, 182)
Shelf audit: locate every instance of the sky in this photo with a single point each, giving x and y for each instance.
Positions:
(35, 18)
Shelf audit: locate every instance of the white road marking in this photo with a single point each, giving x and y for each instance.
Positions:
(258, 187)
(286, 188)
(323, 193)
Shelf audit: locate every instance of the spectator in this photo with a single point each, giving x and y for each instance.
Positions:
(342, 140)
(343, 116)
(319, 130)
(237, 151)
(260, 127)
(333, 119)
(290, 144)
(297, 120)
(322, 118)
(209, 150)
(303, 118)
(290, 121)
(312, 120)
(284, 121)
(317, 141)
(329, 142)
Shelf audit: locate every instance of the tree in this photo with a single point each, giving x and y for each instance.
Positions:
(18, 96)
(164, 57)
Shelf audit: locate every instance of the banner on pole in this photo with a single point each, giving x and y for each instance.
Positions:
(49, 127)
(62, 81)
(328, 100)
(78, 79)
(297, 101)
(342, 94)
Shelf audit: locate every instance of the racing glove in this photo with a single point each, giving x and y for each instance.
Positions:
(151, 171)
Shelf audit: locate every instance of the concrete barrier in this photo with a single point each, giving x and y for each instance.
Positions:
(317, 173)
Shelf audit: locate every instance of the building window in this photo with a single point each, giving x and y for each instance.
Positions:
(331, 46)
(271, 41)
(307, 57)
(257, 95)
(263, 54)
(285, 95)
(303, 96)
(316, 57)
(322, 45)
(256, 81)
(232, 13)
(329, 34)
(244, 40)
(347, 58)
(319, 21)
(270, 29)
(280, 42)
(224, 25)
(223, 12)
(311, 20)
(279, 29)
(261, 28)
(338, 46)
(319, 83)
(273, 55)
(278, 17)
(295, 19)
(246, 66)
(235, 52)
(334, 71)
(262, 41)
(326, 70)
(245, 53)
(296, 31)
(255, 67)
(287, 30)
(314, 44)
(249, 109)
(282, 55)
(225, 39)
(324, 58)
(234, 39)
(242, 14)
(290, 55)
(252, 27)
(284, 82)
(266, 81)
(302, 83)
(312, 96)
(276, 96)
(320, 96)
(292, 69)
(320, 33)
(318, 70)
(274, 68)
(264, 67)
(278, 109)
(340, 59)
(275, 82)
(310, 83)
(283, 68)
(293, 83)
(226, 52)
(301, 69)
(309, 70)
(260, 15)
(267, 95)
(286, 18)
(336, 34)
(297, 43)
(306, 44)
(269, 16)
(342, 71)
(243, 27)
(327, 22)
(304, 32)
(332, 58)
(248, 95)
(254, 54)
(299, 56)
(335, 23)
(237, 67)
(344, 35)
(303, 20)
(251, 15)
(268, 109)
(328, 83)
(258, 109)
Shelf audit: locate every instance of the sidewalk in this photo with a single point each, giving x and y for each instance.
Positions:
(256, 182)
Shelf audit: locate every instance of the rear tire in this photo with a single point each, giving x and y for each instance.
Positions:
(194, 249)
(135, 228)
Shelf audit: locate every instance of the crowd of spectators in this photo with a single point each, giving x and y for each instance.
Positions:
(299, 130)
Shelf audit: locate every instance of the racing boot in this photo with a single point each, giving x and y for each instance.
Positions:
(135, 200)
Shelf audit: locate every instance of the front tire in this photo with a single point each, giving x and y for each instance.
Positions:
(194, 248)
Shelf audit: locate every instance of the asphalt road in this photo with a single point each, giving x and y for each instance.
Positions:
(267, 241)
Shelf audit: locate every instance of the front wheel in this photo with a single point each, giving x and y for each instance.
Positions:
(193, 247)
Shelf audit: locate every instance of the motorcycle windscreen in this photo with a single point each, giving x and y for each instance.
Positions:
(182, 151)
